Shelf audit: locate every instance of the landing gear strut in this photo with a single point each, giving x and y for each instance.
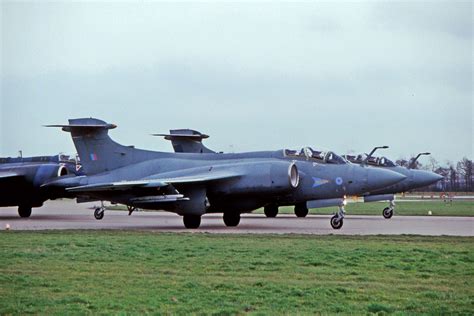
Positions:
(338, 219)
(388, 211)
(131, 209)
(231, 219)
(271, 210)
(192, 221)
(301, 210)
(24, 211)
(99, 212)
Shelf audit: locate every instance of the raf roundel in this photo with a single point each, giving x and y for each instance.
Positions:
(339, 180)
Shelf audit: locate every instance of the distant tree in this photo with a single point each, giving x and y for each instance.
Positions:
(464, 168)
(402, 162)
(453, 178)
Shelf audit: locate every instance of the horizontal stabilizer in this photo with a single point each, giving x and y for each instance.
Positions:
(187, 141)
(84, 126)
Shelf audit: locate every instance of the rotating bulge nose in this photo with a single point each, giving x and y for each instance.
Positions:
(423, 178)
(378, 178)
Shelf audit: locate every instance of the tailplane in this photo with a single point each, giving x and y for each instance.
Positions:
(187, 141)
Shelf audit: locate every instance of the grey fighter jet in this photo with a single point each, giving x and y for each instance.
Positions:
(21, 179)
(414, 178)
(193, 184)
(190, 141)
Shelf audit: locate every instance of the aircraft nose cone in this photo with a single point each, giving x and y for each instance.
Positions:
(378, 178)
(423, 178)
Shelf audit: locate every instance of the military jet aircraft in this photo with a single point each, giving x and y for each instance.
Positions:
(190, 141)
(21, 179)
(192, 184)
(414, 178)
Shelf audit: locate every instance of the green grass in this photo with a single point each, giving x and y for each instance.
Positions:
(76, 272)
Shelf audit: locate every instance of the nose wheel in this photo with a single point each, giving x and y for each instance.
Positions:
(338, 219)
(388, 211)
(99, 212)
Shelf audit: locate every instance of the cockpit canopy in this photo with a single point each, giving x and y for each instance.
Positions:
(385, 162)
(320, 156)
(375, 161)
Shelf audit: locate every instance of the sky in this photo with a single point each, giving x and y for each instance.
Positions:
(341, 76)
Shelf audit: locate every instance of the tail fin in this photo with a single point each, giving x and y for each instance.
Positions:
(97, 151)
(186, 141)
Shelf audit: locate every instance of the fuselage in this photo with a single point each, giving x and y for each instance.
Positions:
(316, 180)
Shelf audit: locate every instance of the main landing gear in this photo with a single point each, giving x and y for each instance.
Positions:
(388, 211)
(271, 210)
(338, 219)
(24, 211)
(99, 212)
(301, 210)
(231, 219)
(192, 221)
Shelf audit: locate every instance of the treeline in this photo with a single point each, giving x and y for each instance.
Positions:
(458, 176)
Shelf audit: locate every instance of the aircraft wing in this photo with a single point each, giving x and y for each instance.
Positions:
(8, 175)
(152, 183)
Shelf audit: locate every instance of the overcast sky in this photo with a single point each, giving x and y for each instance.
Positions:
(340, 76)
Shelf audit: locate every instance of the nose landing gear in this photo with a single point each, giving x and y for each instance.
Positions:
(388, 211)
(338, 219)
(131, 209)
(99, 212)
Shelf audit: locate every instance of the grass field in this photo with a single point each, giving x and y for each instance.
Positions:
(76, 272)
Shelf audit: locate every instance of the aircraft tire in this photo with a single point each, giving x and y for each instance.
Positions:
(387, 213)
(271, 210)
(231, 219)
(99, 213)
(301, 210)
(336, 223)
(24, 211)
(192, 221)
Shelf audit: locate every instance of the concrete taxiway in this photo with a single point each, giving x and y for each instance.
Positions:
(60, 215)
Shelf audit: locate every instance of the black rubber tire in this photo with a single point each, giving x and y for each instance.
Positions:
(192, 221)
(99, 213)
(231, 219)
(336, 223)
(24, 211)
(301, 210)
(387, 213)
(271, 210)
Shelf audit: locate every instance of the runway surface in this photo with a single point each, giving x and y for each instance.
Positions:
(59, 215)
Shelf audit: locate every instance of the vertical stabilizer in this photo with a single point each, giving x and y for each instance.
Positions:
(97, 151)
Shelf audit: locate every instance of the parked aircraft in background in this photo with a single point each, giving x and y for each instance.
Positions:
(21, 179)
(193, 184)
(414, 178)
